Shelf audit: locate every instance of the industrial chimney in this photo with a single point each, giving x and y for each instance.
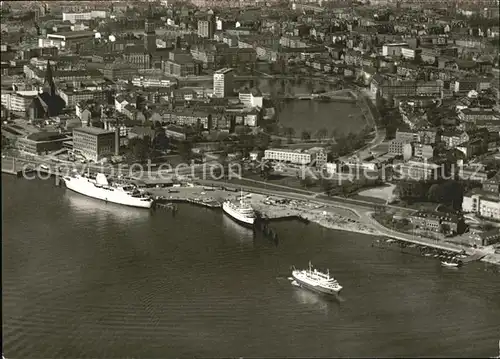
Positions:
(117, 140)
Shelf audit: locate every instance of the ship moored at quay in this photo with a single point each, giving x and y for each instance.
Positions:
(240, 211)
(100, 188)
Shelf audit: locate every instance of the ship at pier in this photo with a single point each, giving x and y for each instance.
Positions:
(316, 281)
(100, 188)
(240, 211)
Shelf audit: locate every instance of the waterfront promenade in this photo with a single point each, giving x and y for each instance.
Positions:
(331, 212)
(350, 218)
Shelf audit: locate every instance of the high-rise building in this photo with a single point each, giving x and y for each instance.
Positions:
(206, 27)
(93, 143)
(149, 36)
(223, 82)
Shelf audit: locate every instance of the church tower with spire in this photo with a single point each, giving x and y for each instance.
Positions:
(49, 85)
(149, 32)
(48, 103)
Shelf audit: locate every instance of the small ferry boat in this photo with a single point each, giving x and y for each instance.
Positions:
(240, 211)
(450, 264)
(316, 281)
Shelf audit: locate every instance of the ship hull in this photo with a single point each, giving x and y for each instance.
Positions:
(235, 216)
(88, 189)
(314, 288)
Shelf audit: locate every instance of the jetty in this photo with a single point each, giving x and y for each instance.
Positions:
(12, 172)
(473, 258)
(204, 202)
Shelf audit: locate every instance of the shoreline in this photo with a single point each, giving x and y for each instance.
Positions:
(341, 218)
(330, 216)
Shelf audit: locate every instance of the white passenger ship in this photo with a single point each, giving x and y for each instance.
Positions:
(240, 211)
(316, 281)
(100, 188)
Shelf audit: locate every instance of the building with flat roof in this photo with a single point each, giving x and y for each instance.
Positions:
(483, 203)
(442, 222)
(298, 157)
(93, 143)
(65, 39)
(251, 98)
(206, 27)
(81, 16)
(41, 143)
(223, 82)
(417, 171)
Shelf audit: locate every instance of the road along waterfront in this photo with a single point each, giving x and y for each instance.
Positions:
(324, 213)
(86, 279)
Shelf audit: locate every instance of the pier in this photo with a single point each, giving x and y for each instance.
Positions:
(205, 202)
(261, 225)
(473, 258)
(12, 172)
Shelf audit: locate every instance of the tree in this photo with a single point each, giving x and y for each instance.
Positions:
(266, 169)
(289, 132)
(434, 193)
(305, 135)
(160, 141)
(327, 185)
(276, 142)
(185, 150)
(322, 133)
(410, 190)
(139, 149)
(306, 182)
(261, 141)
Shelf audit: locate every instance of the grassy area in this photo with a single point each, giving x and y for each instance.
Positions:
(374, 200)
(387, 220)
(426, 206)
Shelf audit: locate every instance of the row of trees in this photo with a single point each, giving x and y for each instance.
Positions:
(147, 147)
(348, 143)
(321, 134)
(335, 188)
(449, 192)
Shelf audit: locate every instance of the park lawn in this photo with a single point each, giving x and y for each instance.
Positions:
(373, 200)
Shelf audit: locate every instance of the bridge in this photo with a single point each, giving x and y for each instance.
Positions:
(337, 95)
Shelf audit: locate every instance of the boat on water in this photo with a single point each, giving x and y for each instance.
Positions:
(100, 188)
(450, 264)
(316, 281)
(240, 211)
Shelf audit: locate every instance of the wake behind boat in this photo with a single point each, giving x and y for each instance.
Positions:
(100, 188)
(240, 211)
(316, 281)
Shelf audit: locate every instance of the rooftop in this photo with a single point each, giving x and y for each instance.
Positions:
(224, 70)
(92, 130)
(45, 136)
(72, 34)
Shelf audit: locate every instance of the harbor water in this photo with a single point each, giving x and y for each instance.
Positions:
(86, 279)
